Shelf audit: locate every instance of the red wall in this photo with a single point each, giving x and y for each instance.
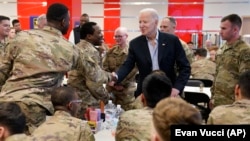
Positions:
(183, 14)
(111, 20)
(28, 8)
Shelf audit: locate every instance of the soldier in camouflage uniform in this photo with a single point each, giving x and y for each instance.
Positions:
(35, 62)
(172, 111)
(202, 68)
(4, 32)
(91, 92)
(168, 25)
(11, 117)
(63, 125)
(136, 124)
(239, 111)
(124, 91)
(232, 59)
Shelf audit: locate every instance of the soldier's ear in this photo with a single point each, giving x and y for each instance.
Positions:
(143, 100)
(1, 132)
(237, 92)
(70, 106)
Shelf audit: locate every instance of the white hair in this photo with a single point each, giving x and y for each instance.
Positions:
(152, 11)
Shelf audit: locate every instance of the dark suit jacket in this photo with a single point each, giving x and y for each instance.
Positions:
(77, 34)
(170, 51)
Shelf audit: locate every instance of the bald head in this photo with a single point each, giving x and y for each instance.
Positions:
(120, 36)
(122, 30)
(41, 21)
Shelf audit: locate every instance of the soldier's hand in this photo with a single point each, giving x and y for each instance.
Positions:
(111, 83)
(211, 104)
(119, 87)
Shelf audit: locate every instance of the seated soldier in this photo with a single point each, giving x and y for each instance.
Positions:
(239, 111)
(202, 68)
(171, 111)
(64, 125)
(12, 122)
(136, 124)
(212, 53)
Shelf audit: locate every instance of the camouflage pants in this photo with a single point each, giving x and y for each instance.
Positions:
(87, 101)
(35, 115)
(125, 97)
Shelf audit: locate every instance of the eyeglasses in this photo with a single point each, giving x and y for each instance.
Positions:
(118, 36)
(76, 101)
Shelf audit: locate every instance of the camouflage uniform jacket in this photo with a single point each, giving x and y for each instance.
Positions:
(18, 137)
(188, 52)
(114, 58)
(2, 46)
(231, 61)
(34, 62)
(134, 125)
(237, 113)
(62, 126)
(90, 91)
(203, 69)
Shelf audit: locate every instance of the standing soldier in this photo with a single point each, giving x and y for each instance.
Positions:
(4, 32)
(35, 62)
(168, 25)
(124, 91)
(232, 59)
(91, 92)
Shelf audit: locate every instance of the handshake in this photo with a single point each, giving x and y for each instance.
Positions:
(114, 78)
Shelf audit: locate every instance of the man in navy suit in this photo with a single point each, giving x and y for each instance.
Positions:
(154, 50)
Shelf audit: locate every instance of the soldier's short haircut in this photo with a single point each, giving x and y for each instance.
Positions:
(234, 19)
(15, 21)
(244, 83)
(87, 28)
(3, 18)
(85, 15)
(201, 52)
(174, 111)
(62, 96)
(12, 117)
(39, 18)
(56, 12)
(171, 19)
(155, 87)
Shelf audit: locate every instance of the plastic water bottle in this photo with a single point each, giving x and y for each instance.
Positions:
(118, 111)
(109, 110)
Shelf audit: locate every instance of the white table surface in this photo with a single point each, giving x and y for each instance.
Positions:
(104, 135)
(206, 90)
